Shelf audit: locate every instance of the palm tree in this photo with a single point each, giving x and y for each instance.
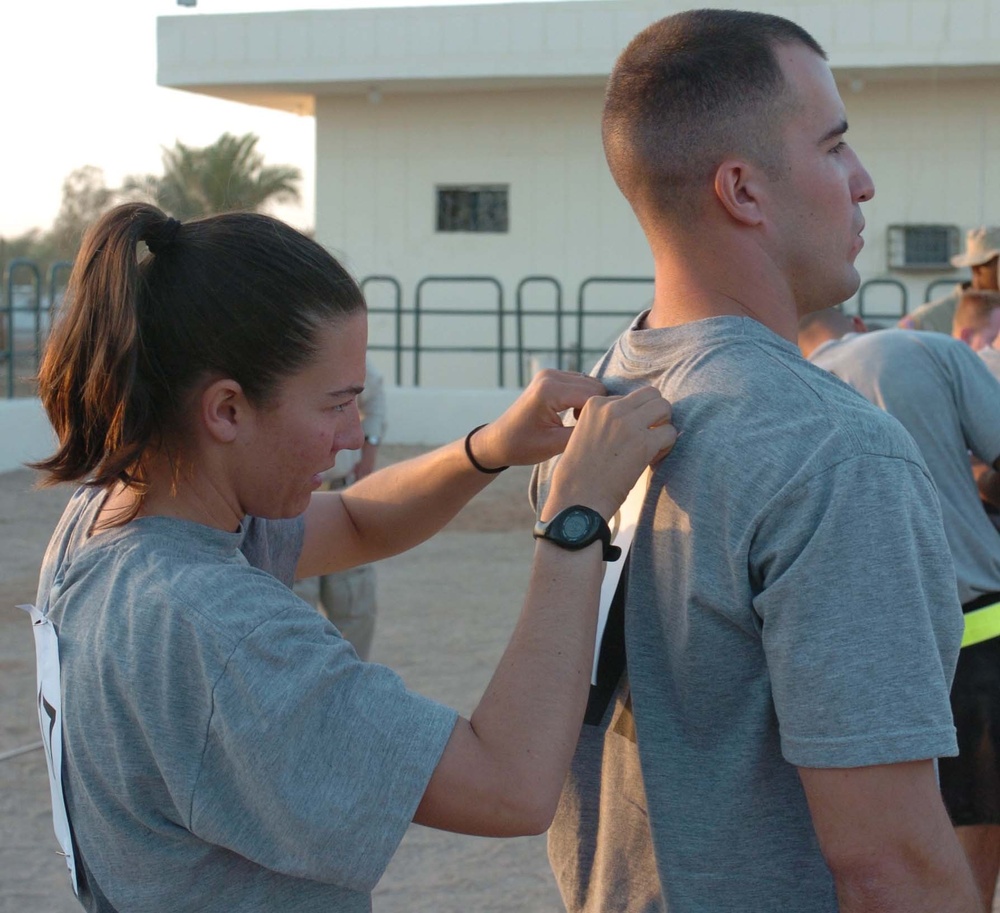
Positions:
(228, 175)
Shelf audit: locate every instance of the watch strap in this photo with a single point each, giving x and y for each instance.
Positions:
(602, 533)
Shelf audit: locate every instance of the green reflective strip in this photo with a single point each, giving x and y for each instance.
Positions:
(981, 624)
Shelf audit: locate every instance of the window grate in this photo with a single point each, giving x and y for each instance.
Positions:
(473, 208)
(922, 246)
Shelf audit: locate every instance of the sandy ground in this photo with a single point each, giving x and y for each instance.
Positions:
(446, 611)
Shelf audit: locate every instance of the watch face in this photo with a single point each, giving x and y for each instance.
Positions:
(576, 525)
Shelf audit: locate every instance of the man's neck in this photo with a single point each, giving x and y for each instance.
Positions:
(682, 296)
(711, 269)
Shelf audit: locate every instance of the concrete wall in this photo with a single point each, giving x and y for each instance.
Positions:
(409, 99)
(415, 416)
(381, 165)
(931, 143)
(933, 148)
(25, 433)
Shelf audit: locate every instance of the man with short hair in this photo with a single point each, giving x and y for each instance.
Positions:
(981, 255)
(788, 617)
(977, 319)
(977, 324)
(946, 399)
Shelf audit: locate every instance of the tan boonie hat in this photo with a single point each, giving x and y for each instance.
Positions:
(981, 246)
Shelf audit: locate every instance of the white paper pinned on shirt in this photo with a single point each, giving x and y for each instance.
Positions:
(628, 518)
(50, 721)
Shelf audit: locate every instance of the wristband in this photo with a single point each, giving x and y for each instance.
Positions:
(473, 460)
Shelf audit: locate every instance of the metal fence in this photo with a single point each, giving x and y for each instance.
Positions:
(425, 335)
(449, 330)
(28, 301)
(888, 299)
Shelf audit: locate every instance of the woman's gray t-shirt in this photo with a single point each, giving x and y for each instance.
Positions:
(225, 749)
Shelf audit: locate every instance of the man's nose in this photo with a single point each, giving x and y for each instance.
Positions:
(863, 185)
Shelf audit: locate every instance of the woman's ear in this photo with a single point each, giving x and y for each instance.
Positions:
(738, 187)
(224, 409)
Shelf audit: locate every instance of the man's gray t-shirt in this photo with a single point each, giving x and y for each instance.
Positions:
(943, 394)
(225, 749)
(790, 602)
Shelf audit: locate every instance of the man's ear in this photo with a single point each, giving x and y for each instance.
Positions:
(738, 187)
(858, 325)
(224, 409)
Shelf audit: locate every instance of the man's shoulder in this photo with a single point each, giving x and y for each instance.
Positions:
(896, 351)
(797, 414)
(935, 315)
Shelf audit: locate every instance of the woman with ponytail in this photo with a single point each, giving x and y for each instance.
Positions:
(223, 748)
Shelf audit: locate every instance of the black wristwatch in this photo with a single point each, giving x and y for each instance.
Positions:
(577, 527)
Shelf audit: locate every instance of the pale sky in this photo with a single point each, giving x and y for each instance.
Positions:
(79, 79)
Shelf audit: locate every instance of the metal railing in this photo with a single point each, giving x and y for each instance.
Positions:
(494, 331)
(540, 329)
(865, 294)
(28, 303)
(938, 288)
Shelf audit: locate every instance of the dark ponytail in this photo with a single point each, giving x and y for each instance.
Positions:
(87, 380)
(239, 295)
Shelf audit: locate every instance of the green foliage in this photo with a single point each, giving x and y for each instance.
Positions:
(85, 197)
(226, 176)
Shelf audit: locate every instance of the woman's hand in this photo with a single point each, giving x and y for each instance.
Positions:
(531, 430)
(615, 439)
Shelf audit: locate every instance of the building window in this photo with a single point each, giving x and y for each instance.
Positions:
(922, 246)
(473, 207)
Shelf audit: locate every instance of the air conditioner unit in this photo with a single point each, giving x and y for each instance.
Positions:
(922, 247)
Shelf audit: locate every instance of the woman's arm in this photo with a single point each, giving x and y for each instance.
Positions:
(400, 506)
(502, 770)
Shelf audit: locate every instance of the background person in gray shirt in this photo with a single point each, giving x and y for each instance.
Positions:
(224, 747)
(977, 324)
(944, 396)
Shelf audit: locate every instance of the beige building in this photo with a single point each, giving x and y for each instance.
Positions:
(464, 142)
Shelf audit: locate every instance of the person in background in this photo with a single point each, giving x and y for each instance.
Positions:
(982, 250)
(763, 734)
(977, 324)
(977, 319)
(223, 747)
(943, 395)
(348, 598)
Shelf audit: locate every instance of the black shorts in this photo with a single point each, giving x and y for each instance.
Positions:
(970, 783)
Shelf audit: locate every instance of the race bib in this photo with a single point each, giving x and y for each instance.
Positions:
(624, 524)
(50, 721)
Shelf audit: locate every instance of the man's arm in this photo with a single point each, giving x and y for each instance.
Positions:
(888, 841)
